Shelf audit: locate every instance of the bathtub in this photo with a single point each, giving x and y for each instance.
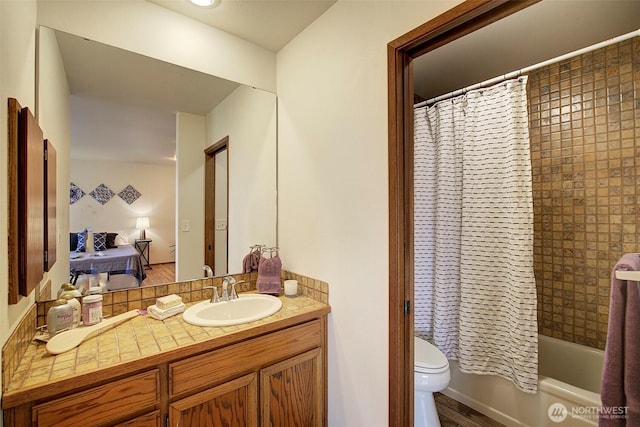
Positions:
(569, 375)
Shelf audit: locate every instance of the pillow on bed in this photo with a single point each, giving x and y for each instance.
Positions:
(82, 241)
(73, 241)
(100, 241)
(121, 239)
(111, 240)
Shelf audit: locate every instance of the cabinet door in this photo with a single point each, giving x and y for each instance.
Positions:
(291, 392)
(234, 403)
(148, 420)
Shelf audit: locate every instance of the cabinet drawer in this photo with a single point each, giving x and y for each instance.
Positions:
(229, 362)
(103, 404)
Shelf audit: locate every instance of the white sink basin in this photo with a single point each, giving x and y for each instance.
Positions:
(245, 309)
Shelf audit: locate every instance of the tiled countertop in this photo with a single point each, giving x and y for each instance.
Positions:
(138, 339)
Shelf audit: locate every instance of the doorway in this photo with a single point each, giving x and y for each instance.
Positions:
(463, 19)
(216, 206)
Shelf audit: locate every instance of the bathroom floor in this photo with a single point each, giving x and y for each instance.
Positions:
(455, 414)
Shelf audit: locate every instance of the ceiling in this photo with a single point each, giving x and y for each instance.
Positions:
(127, 112)
(540, 32)
(267, 23)
(141, 94)
(130, 108)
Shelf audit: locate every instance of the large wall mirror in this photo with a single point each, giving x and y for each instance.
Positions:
(139, 130)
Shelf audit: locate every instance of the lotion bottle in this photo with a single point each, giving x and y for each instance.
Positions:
(75, 306)
(59, 317)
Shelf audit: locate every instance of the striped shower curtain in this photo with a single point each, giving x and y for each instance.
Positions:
(475, 295)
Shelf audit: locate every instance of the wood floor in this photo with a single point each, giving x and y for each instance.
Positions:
(455, 414)
(160, 273)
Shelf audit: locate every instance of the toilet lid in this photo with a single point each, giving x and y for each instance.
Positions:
(427, 356)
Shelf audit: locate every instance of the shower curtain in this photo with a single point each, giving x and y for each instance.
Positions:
(475, 295)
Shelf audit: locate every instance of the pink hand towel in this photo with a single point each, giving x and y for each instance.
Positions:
(269, 275)
(250, 262)
(621, 370)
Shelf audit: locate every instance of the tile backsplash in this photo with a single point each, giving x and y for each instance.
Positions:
(140, 298)
(17, 344)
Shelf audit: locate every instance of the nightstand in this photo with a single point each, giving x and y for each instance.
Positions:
(142, 245)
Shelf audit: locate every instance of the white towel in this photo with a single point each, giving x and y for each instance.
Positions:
(160, 314)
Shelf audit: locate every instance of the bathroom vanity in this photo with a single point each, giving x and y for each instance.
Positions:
(267, 372)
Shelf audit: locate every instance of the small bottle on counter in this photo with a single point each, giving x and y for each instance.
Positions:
(68, 287)
(91, 309)
(59, 317)
(75, 306)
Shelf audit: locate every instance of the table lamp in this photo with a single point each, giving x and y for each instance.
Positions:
(142, 223)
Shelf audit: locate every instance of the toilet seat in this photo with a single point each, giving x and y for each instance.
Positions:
(427, 358)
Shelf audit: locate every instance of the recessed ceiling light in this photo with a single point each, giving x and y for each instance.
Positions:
(207, 3)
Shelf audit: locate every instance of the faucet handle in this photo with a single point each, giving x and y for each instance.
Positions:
(234, 295)
(214, 297)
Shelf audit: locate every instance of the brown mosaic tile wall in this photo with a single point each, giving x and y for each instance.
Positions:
(16, 345)
(583, 118)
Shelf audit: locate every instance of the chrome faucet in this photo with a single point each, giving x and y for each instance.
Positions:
(229, 280)
(214, 295)
(208, 270)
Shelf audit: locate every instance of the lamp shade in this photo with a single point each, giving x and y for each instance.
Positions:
(142, 222)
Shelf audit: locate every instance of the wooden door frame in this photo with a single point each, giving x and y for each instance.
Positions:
(461, 20)
(210, 200)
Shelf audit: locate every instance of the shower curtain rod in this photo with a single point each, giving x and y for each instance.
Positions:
(521, 71)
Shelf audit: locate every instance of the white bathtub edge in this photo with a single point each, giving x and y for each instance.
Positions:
(499, 399)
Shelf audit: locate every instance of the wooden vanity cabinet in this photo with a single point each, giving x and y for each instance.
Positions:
(107, 404)
(233, 403)
(291, 392)
(274, 379)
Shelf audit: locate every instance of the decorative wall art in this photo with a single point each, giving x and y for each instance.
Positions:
(102, 194)
(129, 194)
(75, 193)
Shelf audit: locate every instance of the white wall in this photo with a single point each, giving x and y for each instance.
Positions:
(17, 58)
(54, 117)
(156, 183)
(151, 30)
(248, 117)
(333, 186)
(190, 143)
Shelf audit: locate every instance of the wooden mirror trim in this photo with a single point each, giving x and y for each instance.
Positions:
(451, 25)
(13, 254)
(210, 203)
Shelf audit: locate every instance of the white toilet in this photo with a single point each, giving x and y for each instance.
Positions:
(431, 374)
